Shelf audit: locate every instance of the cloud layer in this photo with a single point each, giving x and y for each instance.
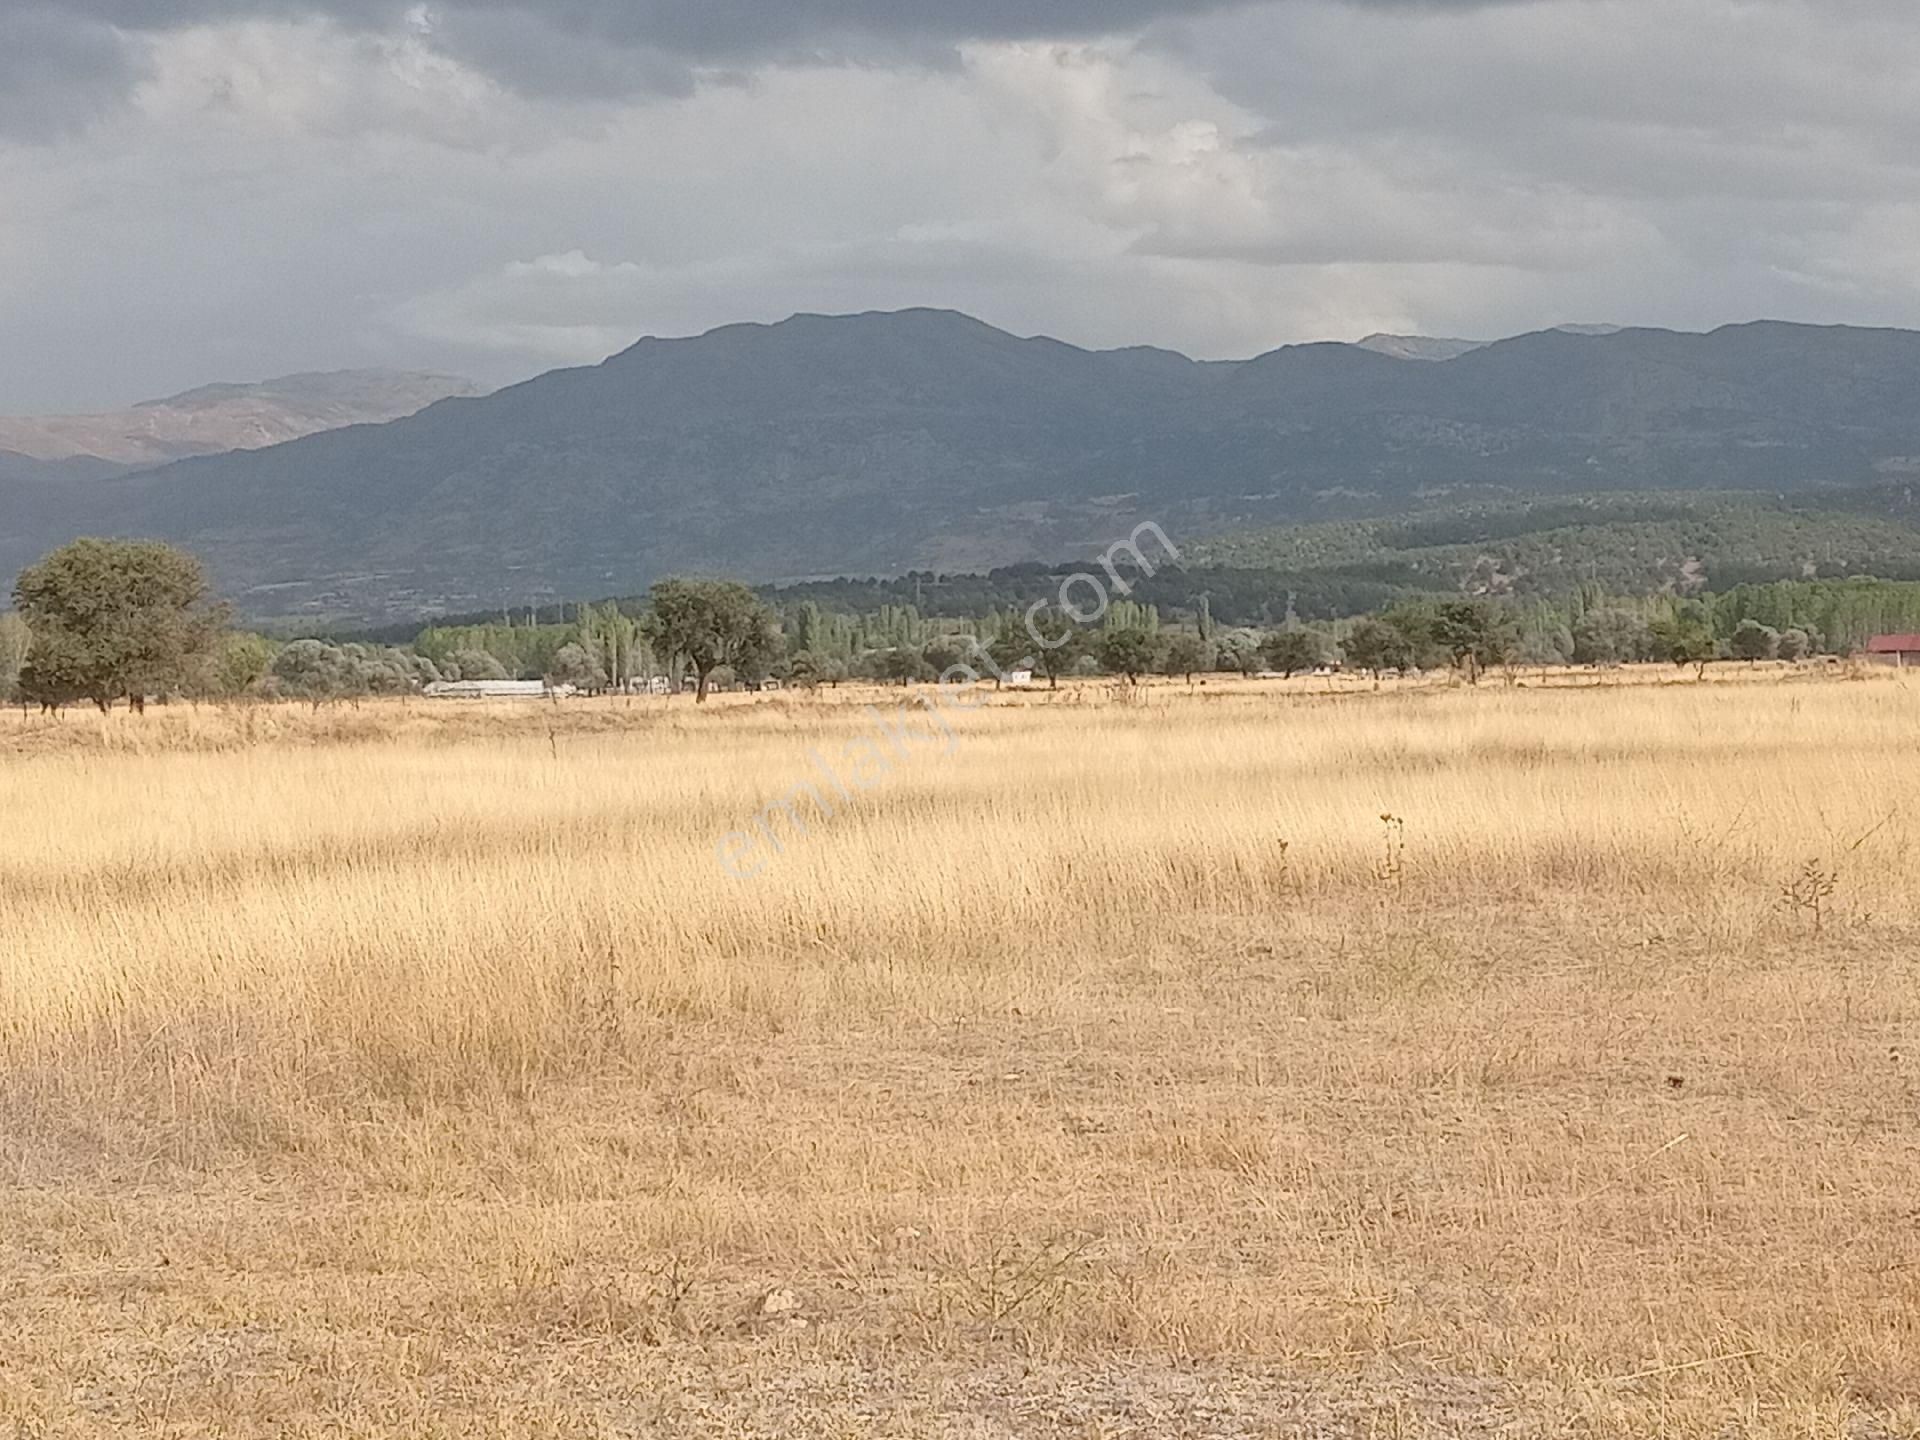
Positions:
(593, 47)
(256, 186)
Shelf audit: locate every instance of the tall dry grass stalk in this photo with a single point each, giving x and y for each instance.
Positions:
(1122, 1036)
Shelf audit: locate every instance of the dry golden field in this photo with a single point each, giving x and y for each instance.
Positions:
(1109, 1067)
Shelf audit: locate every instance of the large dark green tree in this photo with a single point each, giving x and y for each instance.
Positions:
(1753, 641)
(1187, 652)
(239, 662)
(475, 665)
(1239, 649)
(903, 664)
(319, 671)
(116, 620)
(1373, 646)
(575, 666)
(1129, 650)
(1054, 643)
(1610, 635)
(1686, 638)
(948, 653)
(806, 669)
(316, 671)
(710, 623)
(1475, 634)
(1013, 649)
(1291, 651)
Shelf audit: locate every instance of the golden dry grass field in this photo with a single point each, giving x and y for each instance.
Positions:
(1108, 1068)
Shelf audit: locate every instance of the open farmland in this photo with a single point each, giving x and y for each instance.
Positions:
(1245, 1060)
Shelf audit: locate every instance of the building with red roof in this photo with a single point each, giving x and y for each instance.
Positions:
(1895, 649)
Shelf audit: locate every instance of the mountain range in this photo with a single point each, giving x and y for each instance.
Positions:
(1419, 347)
(1437, 347)
(215, 418)
(921, 439)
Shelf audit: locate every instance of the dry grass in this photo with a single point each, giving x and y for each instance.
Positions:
(418, 1071)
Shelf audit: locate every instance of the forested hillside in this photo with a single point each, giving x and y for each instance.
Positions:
(924, 440)
(1626, 544)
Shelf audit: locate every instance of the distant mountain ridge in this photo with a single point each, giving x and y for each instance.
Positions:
(1441, 348)
(923, 439)
(1419, 347)
(215, 418)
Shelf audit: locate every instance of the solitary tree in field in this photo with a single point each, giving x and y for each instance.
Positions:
(116, 619)
(1128, 650)
(1185, 654)
(707, 624)
(1291, 651)
(573, 665)
(1012, 649)
(900, 665)
(1049, 640)
(1753, 641)
(1239, 650)
(1373, 646)
(1475, 635)
(1415, 625)
(805, 669)
(1685, 639)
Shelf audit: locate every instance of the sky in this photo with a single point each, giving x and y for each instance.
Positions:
(201, 190)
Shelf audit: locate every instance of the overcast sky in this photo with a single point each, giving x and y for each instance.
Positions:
(495, 187)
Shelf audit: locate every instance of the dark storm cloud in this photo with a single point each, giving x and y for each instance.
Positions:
(68, 56)
(58, 69)
(62, 62)
(701, 28)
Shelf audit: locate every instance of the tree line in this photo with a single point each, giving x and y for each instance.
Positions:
(105, 622)
(117, 621)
